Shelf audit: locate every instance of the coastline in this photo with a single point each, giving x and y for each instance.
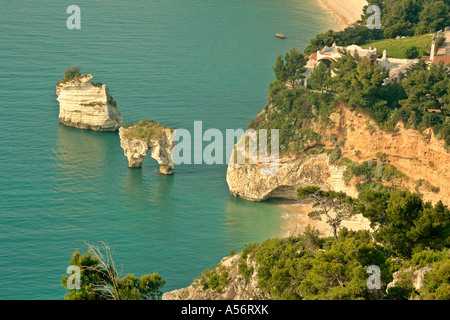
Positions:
(347, 12)
(295, 215)
(295, 219)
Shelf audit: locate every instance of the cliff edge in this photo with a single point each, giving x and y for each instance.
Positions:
(235, 287)
(85, 105)
(404, 158)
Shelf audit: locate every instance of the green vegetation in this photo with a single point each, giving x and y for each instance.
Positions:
(243, 268)
(93, 104)
(214, 279)
(358, 83)
(288, 269)
(427, 88)
(411, 17)
(321, 78)
(405, 223)
(144, 130)
(100, 280)
(357, 34)
(291, 111)
(409, 233)
(335, 206)
(398, 48)
(372, 170)
(71, 73)
(437, 280)
(291, 68)
(335, 155)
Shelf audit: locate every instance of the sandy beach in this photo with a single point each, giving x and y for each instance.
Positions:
(295, 215)
(295, 220)
(347, 11)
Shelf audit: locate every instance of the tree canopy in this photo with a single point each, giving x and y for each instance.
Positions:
(100, 279)
(291, 68)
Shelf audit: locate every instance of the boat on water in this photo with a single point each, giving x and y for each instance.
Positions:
(280, 35)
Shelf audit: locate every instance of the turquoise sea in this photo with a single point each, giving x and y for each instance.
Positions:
(173, 61)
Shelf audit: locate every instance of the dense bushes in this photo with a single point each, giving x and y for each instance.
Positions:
(214, 279)
(290, 111)
(409, 234)
(405, 223)
(357, 34)
(367, 170)
(412, 17)
(289, 270)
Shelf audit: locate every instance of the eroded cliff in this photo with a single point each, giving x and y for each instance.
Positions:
(236, 287)
(422, 161)
(136, 141)
(85, 105)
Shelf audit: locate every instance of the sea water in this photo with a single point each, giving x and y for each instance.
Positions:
(174, 61)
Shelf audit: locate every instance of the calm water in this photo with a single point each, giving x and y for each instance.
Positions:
(170, 60)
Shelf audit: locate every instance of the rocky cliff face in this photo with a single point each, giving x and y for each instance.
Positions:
(160, 146)
(246, 181)
(415, 275)
(421, 157)
(237, 288)
(84, 105)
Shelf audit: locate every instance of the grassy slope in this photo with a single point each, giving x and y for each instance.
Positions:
(397, 48)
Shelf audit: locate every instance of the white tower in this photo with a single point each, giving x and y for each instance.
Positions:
(433, 48)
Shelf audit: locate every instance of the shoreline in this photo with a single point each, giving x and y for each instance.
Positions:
(346, 12)
(295, 215)
(295, 219)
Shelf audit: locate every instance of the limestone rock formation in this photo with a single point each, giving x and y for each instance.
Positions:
(236, 289)
(85, 105)
(421, 157)
(246, 181)
(417, 277)
(159, 142)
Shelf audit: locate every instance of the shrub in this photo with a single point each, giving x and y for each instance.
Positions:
(335, 155)
(412, 52)
(71, 73)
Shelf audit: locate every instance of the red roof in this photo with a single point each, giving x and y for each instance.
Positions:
(313, 56)
(442, 58)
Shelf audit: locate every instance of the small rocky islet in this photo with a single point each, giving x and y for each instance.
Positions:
(89, 106)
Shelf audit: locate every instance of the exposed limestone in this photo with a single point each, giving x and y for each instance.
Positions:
(161, 146)
(417, 277)
(236, 289)
(419, 156)
(247, 182)
(84, 105)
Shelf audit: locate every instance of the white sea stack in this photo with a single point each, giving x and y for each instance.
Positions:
(85, 105)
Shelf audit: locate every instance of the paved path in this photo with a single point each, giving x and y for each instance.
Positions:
(445, 48)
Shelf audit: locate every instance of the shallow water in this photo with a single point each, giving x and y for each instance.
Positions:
(169, 60)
